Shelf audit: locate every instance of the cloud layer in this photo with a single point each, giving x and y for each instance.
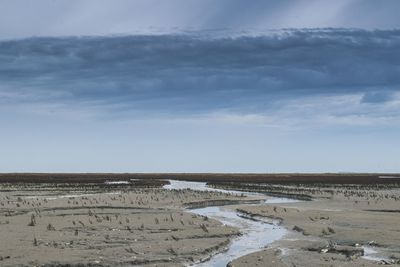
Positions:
(277, 101)
(21, 18)
(197, 74)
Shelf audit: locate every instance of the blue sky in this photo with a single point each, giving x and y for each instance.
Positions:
(199, 86)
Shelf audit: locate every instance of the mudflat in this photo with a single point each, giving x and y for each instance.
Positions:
(352, 225)
(47, 221)
(64, 225)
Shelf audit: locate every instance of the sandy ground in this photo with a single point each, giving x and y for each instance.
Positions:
(48, 226)
(139, 227)
(332, 230)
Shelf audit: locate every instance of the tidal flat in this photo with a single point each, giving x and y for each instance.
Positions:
(56, 226)
(116, 221)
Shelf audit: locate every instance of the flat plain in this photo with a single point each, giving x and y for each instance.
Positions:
(129, 219)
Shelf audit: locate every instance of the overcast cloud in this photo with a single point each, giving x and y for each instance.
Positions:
(200, 74)
(23, 18)
(187, 85)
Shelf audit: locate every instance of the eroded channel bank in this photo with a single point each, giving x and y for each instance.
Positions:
(256, 234)
(333, 230)
(344, 225)
(107, 225)
(138, 223)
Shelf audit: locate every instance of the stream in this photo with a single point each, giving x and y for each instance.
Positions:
(255, 234)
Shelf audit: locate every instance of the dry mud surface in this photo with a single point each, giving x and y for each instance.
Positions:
(55, 227)
(343, 226)
(91, 225)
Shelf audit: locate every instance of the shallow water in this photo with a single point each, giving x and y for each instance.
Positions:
(256, 234)
(202, 186)
(370, 253)
(116, 182)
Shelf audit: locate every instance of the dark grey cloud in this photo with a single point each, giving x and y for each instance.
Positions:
(199, 72)
(378, 97)
(272, 101)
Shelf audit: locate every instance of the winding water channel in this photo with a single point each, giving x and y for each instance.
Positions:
(255, 234)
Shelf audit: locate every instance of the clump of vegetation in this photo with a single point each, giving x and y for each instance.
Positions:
(50, 227)
(204, 228)
(331, 230)
(33, 220)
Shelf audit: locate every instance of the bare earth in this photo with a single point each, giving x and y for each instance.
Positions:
(139, 227)
(333, 230)
(58, 226)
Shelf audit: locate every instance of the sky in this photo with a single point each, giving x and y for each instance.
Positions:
(199, 86)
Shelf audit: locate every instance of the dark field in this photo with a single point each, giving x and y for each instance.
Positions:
(152, 178)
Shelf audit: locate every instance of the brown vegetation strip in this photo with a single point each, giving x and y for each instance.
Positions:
(155, 179)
